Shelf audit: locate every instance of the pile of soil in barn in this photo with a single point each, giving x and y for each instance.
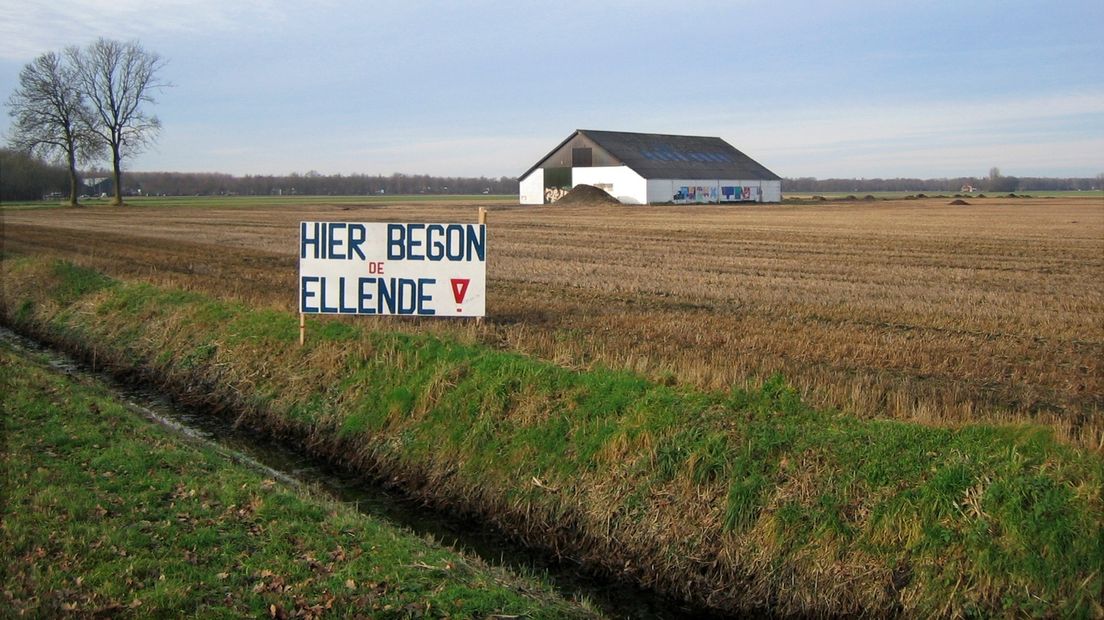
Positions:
(958, 202)
(587, 194)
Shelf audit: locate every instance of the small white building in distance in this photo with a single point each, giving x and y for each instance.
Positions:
(642, 168)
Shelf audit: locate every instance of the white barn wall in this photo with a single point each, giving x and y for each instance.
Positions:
(531, 188)
(660, 190)
(627, 186)
(772, 191)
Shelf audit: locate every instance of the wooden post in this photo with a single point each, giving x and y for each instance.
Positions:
(302, 328)
(483, 221)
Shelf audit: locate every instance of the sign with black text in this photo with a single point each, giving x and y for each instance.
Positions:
(392, 269)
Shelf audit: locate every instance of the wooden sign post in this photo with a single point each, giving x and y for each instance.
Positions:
(482, 221)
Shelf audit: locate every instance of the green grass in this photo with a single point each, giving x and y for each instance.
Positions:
(105, 514)
(820, 511)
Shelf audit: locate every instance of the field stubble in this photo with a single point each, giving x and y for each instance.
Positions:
(912, 310)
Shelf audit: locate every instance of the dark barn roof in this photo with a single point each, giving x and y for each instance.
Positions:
(662, 156)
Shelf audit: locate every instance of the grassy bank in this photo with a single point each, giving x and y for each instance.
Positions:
(106, 515)
(734, 499)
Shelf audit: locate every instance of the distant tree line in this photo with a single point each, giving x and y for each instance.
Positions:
(26, 177)
(995, 182)
(311, 184)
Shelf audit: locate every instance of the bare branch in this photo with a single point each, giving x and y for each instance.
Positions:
(50, 116)
(118, 79)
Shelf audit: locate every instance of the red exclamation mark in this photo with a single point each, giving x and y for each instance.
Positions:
(459, 289)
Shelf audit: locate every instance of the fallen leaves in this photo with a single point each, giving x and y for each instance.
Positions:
(270, 582)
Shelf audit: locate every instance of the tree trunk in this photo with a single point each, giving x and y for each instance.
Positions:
(117, 177)
(73, 182)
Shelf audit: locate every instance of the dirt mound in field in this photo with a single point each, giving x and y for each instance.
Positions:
(958, 202)
(587, 194)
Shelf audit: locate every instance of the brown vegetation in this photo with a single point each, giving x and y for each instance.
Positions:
(905, 309)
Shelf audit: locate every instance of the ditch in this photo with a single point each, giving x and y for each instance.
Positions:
(290, 465)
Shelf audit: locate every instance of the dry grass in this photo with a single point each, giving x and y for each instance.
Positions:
(913, 310)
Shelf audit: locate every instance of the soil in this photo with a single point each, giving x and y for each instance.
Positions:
(587, 194)
(958, 202)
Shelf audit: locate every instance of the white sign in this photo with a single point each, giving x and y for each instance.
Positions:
(392, 269)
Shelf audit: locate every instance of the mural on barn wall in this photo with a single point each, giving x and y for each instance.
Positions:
(552, 194)
(557, 182)
(690, 194)
(736, 193)
(697, 194)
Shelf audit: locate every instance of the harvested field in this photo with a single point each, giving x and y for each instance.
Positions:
(914, 310)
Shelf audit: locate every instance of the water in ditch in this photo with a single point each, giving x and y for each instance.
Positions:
(284, 462)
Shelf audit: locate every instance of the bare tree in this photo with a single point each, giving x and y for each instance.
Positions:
(118, 79)
(50, 117)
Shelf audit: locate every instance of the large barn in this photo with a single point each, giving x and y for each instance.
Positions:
(640, 168)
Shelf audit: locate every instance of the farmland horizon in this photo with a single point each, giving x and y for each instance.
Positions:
(1099, 176)
(312, 182)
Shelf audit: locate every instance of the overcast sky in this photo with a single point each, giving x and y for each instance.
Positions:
(827, 89)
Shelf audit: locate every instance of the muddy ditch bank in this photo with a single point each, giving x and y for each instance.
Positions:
(736, 501)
